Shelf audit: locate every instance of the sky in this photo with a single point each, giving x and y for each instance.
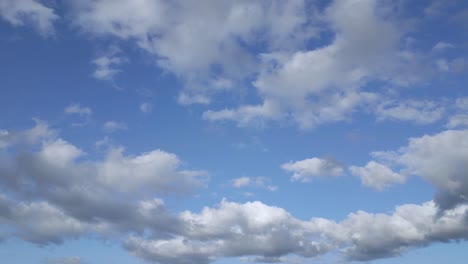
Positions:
(229, 132)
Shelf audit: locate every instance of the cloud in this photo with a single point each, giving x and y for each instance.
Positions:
(462, 103)
(67, 260)
(29, 12)
(107, 65)
(420, 112)
(78, 110)
(376, 175)
(306, 170)
(442, 46)
(146, 107)
(458, 121)
(303, 86)
(207, 63)
(269, 233)
(55, 192)
(441, 159)
(111, 126)
(31, 136)
(260, 182)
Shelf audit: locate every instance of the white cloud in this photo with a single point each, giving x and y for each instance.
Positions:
(442, 46)
(376, 175)
(303, 85)
(111, 126)
(61, 194)
(260, 182)
(29, 12)
(266, 233)
(306, 170)
(462, 103)
(458, 121)
(420, 112)
(107, 65)
(441, 159)
(171, 32)
(146, 107)
(34, 135)
(78, 109)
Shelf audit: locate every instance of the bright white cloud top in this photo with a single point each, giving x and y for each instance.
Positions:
(233, 131)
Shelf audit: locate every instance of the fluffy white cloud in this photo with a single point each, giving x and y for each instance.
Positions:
(34, 135)
(29, 12)
(305, 170)
(269, 233)
(64, 195)
(303, 85)
(171, 31)
(441, 159)
(376, 175)
(59, 194)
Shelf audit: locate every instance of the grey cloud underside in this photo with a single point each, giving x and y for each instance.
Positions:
(52, 193)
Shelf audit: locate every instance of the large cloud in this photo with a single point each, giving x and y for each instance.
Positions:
(52, 192)
(106, 196)
(256, 229)
(208, 44)
(326, 84)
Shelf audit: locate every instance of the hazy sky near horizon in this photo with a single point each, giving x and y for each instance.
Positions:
(176, 132)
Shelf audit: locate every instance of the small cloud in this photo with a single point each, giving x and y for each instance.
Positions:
(377, 176)
(146, 107)
(111, 126)
(259, 182)
(107, 66)
(305, 170)
(186, 99)
(67, 260)
(77, 109)
(442, 46)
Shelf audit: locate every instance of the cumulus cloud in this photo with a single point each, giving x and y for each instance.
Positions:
(270, 233)
(306, 170)
(376, 175)
(441, 159)
(29, 12)
(30, 136)
(55, 192)
(171, 32)
(303, 86)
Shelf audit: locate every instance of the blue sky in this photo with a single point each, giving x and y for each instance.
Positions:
(173, 132)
